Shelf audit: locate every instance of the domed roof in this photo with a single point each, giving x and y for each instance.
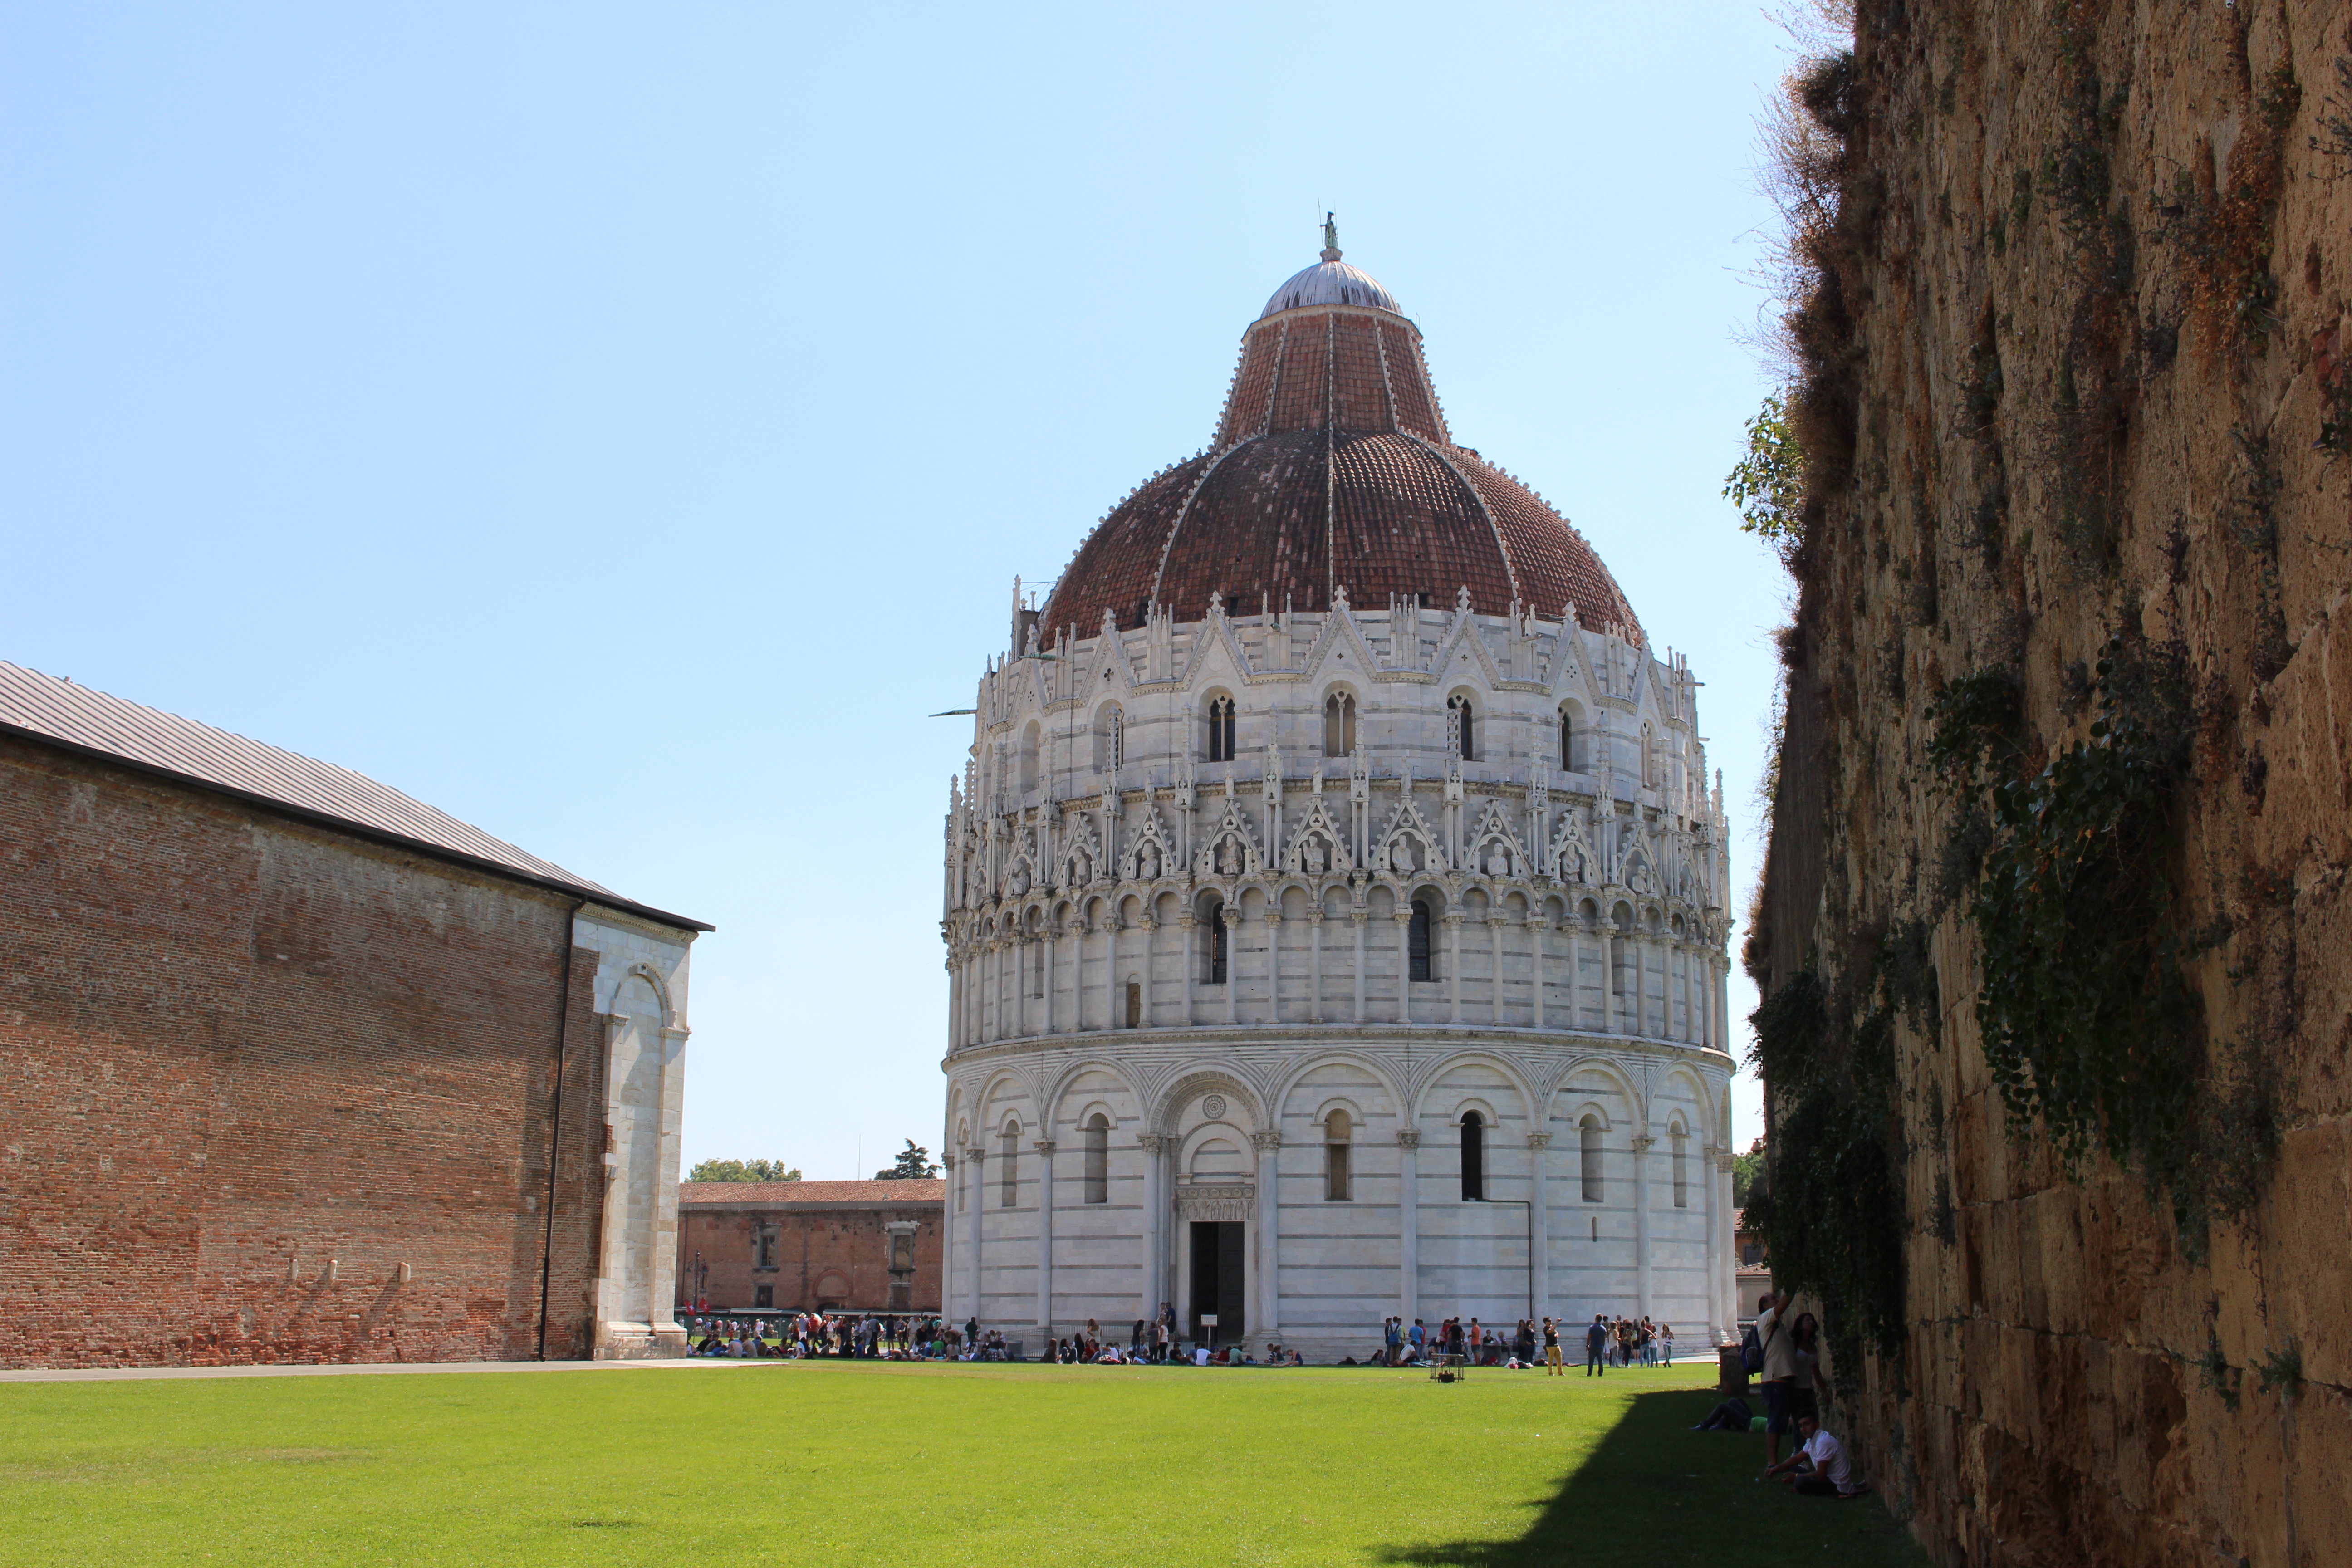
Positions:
(1331, 282)
(1333, 471)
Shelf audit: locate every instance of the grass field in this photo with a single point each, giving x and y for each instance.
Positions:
(824, 1463)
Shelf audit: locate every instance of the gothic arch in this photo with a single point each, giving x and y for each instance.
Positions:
(1181, 1092)
(1289, 1084)
(1060, 1089)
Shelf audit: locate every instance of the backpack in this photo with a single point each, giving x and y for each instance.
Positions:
(1751, 1350)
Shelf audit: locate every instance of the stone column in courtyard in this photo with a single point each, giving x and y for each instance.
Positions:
(1540, 1196)
(1642, 1144)
(1408, 1222)
(1155, 1221)
(1269, 1229)
(1714, 1244)
(950, 1235)
(1045, 1237)
(976, 1167)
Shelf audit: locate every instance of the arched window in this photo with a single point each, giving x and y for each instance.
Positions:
(1682, 1169)
(1461, 733)
(1135, 1004)
(1027, 762)
(1337, 1130)
(1417, 945)
(1567, 743)
(1110, 738)
(1098, 1170)
(1220, 944)
(1339, 725)
(1009, 1193)
(1587, 1134)
(1474, 1157)
(1221, 730)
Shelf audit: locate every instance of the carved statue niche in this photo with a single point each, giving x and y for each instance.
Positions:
(1148, 857)
(1410, 846)
(1317, 847)
(1494, 850)
(1229, 849)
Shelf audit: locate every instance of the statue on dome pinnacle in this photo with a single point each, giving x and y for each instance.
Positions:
(1330, 238)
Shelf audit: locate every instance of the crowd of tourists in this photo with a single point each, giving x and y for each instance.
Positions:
(1620, 1341)
(864, 1336)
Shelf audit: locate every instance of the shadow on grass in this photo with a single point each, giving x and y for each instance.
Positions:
(1655, 1493)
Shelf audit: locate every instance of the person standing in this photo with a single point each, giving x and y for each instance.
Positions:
(1780, 1373)
(1551, 1350)
(1666, 1342)
(1419, 1338)
(1596, 1348)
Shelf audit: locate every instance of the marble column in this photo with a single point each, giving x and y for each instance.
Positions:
(1642, 1143)
(1190, 924)
(1231, 911)
(1267, 1321)
(1454, 966)
(1715, 1246)
(1044, 1147)
(1494, 941)
(1356, 918)
(1408, 1224)
(1273, 960)
(975, 1161)
(1537, 924)
(1723, 1258)
(1404, 920)
(1155, 1222)
(1148, 926)
(1315, 962)
(1539, 1193)
(951, 1233)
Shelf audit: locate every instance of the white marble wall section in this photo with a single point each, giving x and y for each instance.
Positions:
(641, 997)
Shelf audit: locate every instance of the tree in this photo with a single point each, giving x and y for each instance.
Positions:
(743, 1170)
(1767, 485)
(1745, 1169)
(914, 1165)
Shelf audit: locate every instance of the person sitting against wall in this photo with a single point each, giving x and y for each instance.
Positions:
(1826, 1474)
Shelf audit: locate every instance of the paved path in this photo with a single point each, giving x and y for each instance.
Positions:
(342, 1369)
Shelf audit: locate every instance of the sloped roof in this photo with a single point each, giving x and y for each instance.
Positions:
(50, 709)
(812, 1194)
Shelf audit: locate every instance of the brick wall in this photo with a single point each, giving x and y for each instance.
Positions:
(832, 1255)
(251, 1068)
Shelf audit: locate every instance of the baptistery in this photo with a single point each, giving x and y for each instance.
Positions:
(1335, 899)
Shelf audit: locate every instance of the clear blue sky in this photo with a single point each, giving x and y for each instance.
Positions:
(620, 426)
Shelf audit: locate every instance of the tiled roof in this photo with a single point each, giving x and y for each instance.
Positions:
(57, 711)
(813, 1195)
(1333, 468)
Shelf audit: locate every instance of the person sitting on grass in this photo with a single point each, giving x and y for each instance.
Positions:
(1828, 1474)
(1731, 1416)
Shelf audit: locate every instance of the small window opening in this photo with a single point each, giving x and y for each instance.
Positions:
(1222, 729)
(1135, 1004)
(1682, 1171)
(1474, 1157)
(1009, 1193)
(1097, 1157)
(1588, 1135)
(1336, 1133)
(1417, 959)
(1219, 945)
(1339, 725)
(1461, 731)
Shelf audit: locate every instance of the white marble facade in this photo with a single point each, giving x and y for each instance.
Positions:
(1112, 1084)
(641, 993)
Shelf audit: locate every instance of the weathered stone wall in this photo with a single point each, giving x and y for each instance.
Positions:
(2082, 327)
(251, 1068)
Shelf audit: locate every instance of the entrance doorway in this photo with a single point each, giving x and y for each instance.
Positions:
(1217, 1261)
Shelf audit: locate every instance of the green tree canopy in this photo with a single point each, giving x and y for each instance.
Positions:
(1768, 484)
(743, 1170)
(913, 1165)
(1745, 1169)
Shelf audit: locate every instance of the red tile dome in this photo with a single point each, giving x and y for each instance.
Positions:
(1332, 470)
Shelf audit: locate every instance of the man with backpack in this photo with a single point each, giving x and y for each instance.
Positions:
(1778, 1358)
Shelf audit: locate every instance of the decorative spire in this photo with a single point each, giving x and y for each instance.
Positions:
(1330, 238)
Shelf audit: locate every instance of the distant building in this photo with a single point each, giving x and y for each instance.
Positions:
(1751, 1265)
(853, 1246)
(296, 1068)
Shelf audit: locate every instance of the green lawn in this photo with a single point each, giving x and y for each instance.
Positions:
(862, 1464)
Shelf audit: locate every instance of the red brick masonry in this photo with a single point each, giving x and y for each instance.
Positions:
(252, 1069)
(827, 1245)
